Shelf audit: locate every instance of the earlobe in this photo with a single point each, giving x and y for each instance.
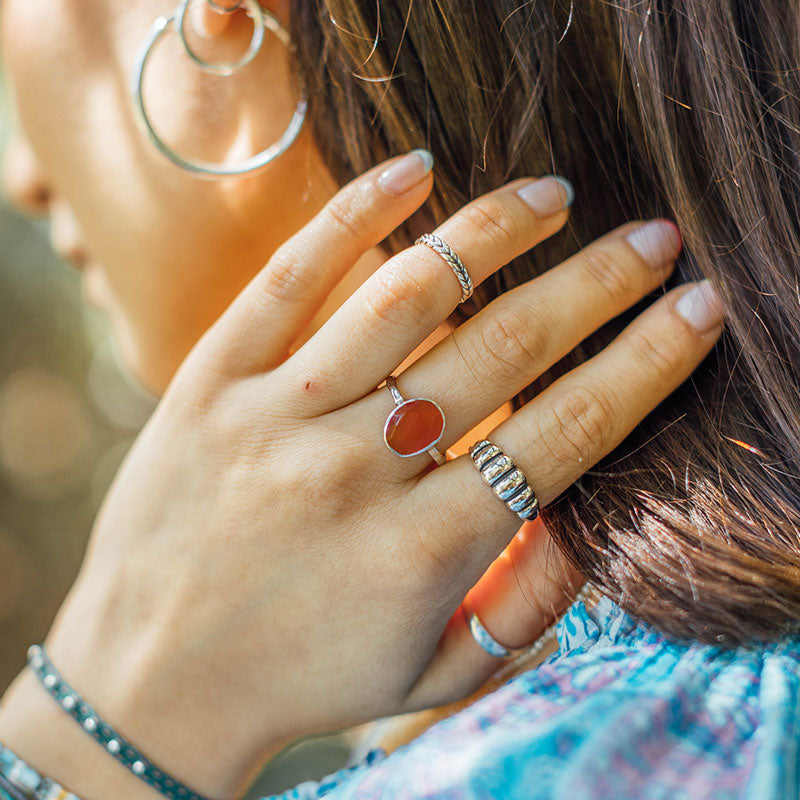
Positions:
(212, 17)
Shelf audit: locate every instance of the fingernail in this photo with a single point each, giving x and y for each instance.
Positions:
(701, 307)
(406, 173)
(548, 195)
(658, 242)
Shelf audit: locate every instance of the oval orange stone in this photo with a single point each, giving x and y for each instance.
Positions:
(414, 427)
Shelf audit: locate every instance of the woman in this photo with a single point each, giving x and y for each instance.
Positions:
(264, 566)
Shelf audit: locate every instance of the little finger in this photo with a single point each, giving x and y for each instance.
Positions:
(525, 590)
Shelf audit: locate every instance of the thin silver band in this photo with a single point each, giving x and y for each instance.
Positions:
(433, 452)
(257, 15)
(262, 20)
(506, 480)
(440, 247)
(490, 645)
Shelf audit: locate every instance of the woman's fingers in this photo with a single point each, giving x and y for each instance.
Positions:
(555, 438)
(576, 421)
(499, 352)
(259, 327)
(411, 295)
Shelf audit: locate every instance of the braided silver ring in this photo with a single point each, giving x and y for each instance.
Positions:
(506, 479)
(440, 247)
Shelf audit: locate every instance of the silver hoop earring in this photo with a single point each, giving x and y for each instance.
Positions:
(263, 20)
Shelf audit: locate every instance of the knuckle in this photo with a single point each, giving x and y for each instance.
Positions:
(660, 356)
(491, 218)
(345, 216)
(580, 424)
(333, 492)
(433, 553)
(396, 297)
(512, 343)
(432, 548)
(285, 279)
(606, 270)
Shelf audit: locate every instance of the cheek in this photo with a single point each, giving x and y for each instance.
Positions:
(173, 250)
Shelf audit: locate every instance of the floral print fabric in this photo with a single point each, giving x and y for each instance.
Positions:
(619, 711)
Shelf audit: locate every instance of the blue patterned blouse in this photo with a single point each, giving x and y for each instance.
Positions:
(618, 712)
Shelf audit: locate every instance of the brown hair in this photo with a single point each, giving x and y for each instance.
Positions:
(681, 108)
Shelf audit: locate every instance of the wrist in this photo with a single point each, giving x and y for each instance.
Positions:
(40, 733)
(141, 683)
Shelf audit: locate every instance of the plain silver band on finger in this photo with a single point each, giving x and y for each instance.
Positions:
(492, 647)
(506, 479)
(440, 247)
(484, 639)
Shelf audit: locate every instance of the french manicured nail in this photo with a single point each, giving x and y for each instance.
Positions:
(406, 173)
(548, 195)
(657, 242)
(701, 307)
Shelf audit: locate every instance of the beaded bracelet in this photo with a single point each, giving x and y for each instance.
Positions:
(93, 724)
(19, 781)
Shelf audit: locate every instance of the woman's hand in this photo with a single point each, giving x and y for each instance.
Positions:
(264, 567)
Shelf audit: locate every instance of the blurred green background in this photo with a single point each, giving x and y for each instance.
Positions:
(68, 415)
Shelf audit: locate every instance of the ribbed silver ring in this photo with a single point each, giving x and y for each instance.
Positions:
(506, 480)
(443, 249)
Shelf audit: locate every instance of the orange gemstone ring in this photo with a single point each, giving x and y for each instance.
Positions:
(414, 426)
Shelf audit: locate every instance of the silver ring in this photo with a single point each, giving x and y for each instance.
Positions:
(484, 639)
(396, 418)
(262, 19)
(490, 645)
(259, 17)
(443, 249)
(506, 479)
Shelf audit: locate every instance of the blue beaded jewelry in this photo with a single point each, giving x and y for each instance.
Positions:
(18, 781)
(93, 724)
